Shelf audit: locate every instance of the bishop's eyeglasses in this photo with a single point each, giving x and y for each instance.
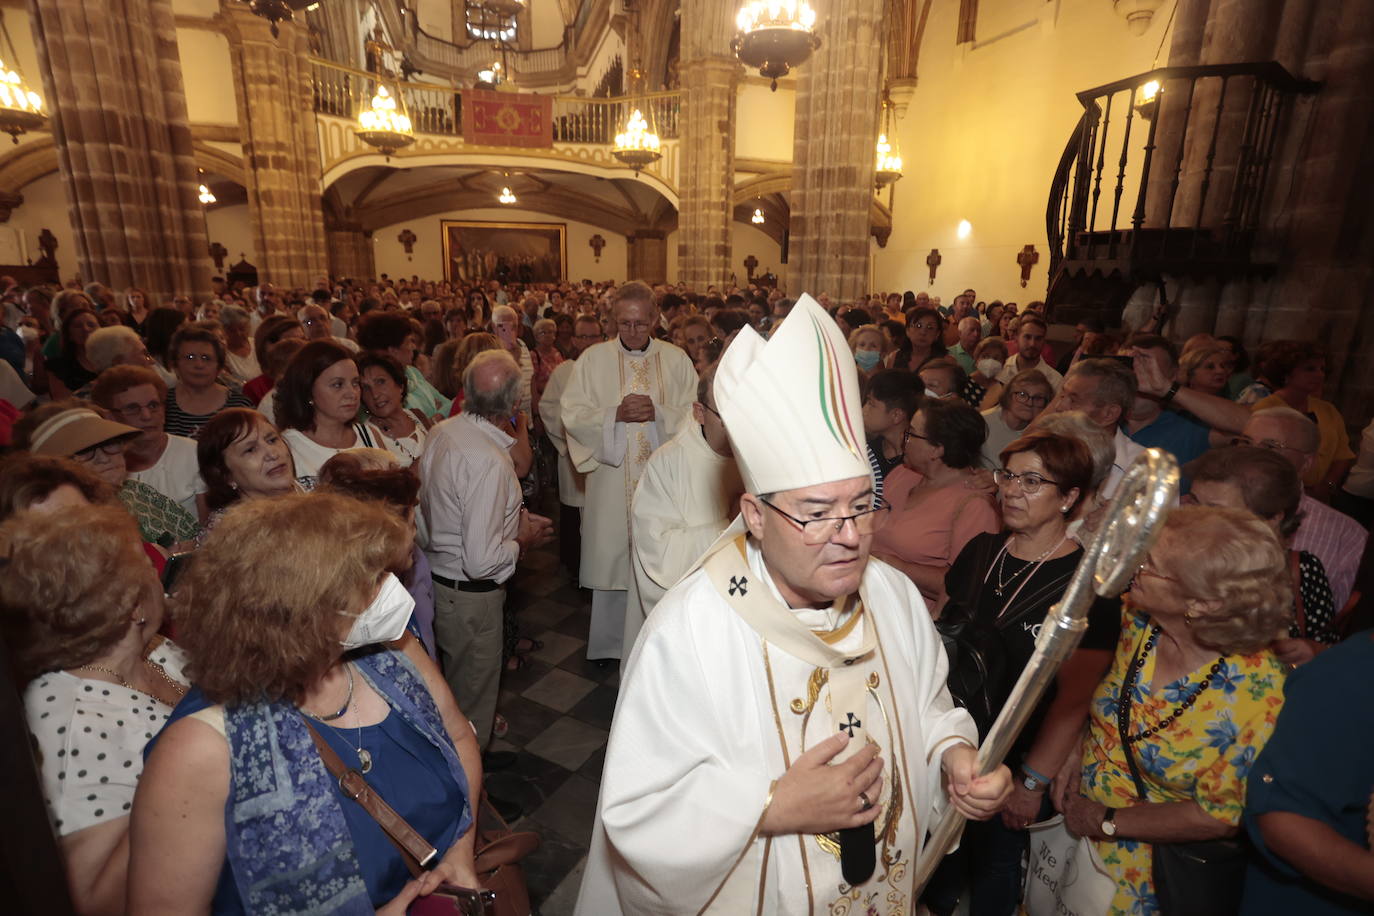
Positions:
(817, 531)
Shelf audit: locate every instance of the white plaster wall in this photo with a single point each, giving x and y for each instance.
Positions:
(436, 17)
(45, 207)
(427, 259)
(746, 240)
(764, 122)
(984, 132)
(232, 227)
(546, 24)
(207, 71)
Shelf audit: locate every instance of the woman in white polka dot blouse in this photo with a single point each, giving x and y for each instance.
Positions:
(80, 607)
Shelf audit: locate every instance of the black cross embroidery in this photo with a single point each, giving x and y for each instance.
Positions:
(739, 584)
(851, 726)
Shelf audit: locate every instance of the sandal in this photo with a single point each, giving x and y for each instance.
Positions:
(517, 662)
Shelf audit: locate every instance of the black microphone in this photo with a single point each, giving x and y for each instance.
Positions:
(857, 855)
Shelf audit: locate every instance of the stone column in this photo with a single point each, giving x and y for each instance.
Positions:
(647, 256)
(832, 173)
(350, 251)
(113, 84)
(707, 183)
(280, 146)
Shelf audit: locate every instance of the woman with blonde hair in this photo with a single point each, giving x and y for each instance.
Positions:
(80, 607)
(1206, 368)
(1189, 702)
(295, 627)
(868, 344)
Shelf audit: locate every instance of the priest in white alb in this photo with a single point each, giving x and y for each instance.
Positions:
(785, 704)
(688, 495)
(572, 483)
(625, 398)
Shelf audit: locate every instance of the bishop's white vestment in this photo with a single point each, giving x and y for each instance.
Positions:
(711, 712)
(613, 454)
(686, 497)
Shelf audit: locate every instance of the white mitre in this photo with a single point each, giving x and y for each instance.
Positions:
(791, 404)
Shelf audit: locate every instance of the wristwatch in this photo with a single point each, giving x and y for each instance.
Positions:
(1168, 396)
(1109, 823)
(1033, 783)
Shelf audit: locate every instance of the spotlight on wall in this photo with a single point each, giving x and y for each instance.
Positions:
(965, 229)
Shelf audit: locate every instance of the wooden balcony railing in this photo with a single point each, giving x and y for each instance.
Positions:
(1174, 182)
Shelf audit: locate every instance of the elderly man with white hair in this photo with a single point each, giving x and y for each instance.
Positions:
(478, 530)
(626, 397)
(1336, 538)
(970, 332)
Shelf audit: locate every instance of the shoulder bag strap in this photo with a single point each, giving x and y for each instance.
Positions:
(1123, 720)
(363, 434)
(415, 849)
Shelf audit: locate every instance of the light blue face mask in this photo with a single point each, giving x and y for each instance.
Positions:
(867, 359)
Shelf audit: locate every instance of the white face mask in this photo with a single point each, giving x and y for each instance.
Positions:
(385, 619)
(989, 367)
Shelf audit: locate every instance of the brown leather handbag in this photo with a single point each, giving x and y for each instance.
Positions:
(496, 857)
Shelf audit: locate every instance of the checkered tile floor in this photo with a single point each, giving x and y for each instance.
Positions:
(559, 709)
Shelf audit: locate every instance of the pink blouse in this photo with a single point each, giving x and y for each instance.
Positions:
(934, 530)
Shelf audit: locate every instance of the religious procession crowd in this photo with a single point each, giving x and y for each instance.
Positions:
(257, 550)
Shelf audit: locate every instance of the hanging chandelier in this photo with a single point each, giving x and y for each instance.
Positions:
(506, 197)
(775, 36)
(207, 197)
(887, 166)
(637, 145)
(384, 123)
(757, 218)
(21, 109)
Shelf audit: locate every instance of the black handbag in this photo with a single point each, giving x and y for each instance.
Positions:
(1202, 878)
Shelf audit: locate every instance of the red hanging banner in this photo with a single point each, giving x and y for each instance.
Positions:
(507, 118)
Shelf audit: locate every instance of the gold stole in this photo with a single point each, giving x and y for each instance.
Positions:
(839, 673)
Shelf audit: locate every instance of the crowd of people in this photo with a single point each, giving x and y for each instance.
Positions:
(236, 534)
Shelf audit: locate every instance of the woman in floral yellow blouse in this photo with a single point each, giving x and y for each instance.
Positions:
(1204, 693)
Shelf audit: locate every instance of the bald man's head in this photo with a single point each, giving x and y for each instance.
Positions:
(491, 385)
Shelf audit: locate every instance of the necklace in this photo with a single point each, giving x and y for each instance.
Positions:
(1133, 677)
(1026, 564)
(364, 755)
(348, 701)
(157, 669)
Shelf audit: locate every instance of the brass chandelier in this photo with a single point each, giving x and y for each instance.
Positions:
(774, 36)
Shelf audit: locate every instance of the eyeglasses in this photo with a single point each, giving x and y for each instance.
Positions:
(633, 325)
(1034, 400)
(1147, 569)
(817, 531)
(586, 337)
(113, 447)
(137, 410)
(908, 435)
(199, 357)
(925, 326)
(1030, 481)
(1273, 445)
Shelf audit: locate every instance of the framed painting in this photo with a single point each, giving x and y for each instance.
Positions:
(475, 252)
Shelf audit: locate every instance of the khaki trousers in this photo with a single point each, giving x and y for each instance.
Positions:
(467, 631)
